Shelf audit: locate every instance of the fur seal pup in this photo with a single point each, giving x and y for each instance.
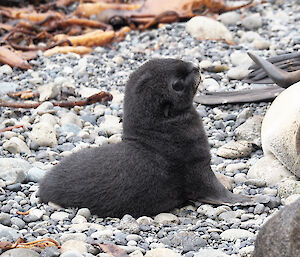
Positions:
(162, 162)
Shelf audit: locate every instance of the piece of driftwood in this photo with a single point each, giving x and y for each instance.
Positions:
(262, 69)
(12, 59)
(266, 93)
(11, 128)
(152, 12)
(100, 97)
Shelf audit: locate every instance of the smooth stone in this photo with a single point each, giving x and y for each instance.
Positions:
(74, 245)
(229, 18)
(144, 220)
(99, 110)
(211, 84)
(20, 252)
(235, 149)
(16, 145)
(279, 131)
(236, 166)
(35, 214)
(240, 58)
(290, 199)
(45, 107)
(44, 134)
(104, 234)
(250, 130)
(288, 187)
(70, 128)
(268, 169)
(235, 234)
(118, 97)
(6, 87)
(253, 21)
(80, 237)
(59, 216)
(8, 233)
(136, 253)
(70, 118)
(250, 36)
(130, 224)
(210, 253)
(85, 212)
(114, 139)
(161, 252)
(5, 219)
(79, 219)
(279, 236)
(238, 73)
(261, 44)
(50, 252)
(166, 218)
(18, 222)
(49, 91)
(71, 253)
(48, 118)
(203, 28)
(13, 170)
(35, 174)
(5, 69)
(87, 91)
(111, 125)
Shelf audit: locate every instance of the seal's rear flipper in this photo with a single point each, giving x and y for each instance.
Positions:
(235, 199)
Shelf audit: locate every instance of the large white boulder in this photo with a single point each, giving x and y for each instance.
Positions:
(280, 132)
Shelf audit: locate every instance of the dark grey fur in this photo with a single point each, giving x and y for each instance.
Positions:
(162, 162)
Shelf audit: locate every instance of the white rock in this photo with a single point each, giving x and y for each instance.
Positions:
(59, 216)
(118, 97)
(229, 18)
(287, 187)
(236, 166)
(269, 169)
(116, 138)
(235, 149)
(45, 107)
(166, 218)
(111, 125)
(210, 253)
(87, 91)
(240, 58)
(246, 251)
(211, 84)
(13, 170)
(204, 64)
(145, 220)
(280, 129)
(234, 234)
(250, 130)
(36, 214)
(43, 134)
(49, 91)
(162, 252)
(203, 28)
(291, 199)
(99, 109)
(261, 44)
(48, 118)
(70, 117)
(238, 73)
(74, 245)
(136, 253)
(6, 69)
(16, 145)
(250, 36)
(253, 21)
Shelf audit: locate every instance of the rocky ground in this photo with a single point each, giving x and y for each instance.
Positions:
(50, 133)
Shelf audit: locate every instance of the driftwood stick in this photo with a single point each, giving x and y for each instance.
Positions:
(96, 98)
(11, 128)
(266, 93)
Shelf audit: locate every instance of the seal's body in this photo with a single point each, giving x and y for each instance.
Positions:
(162, 162)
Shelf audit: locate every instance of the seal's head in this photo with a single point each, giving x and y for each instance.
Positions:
(160, 89)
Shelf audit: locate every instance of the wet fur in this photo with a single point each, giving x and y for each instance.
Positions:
(162, 162)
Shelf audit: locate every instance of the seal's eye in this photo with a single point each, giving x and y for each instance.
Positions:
(178, 85)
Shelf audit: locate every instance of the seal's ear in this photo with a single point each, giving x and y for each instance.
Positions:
(178, 85)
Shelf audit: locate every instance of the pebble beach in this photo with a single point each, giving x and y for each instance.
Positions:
(50, 133)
